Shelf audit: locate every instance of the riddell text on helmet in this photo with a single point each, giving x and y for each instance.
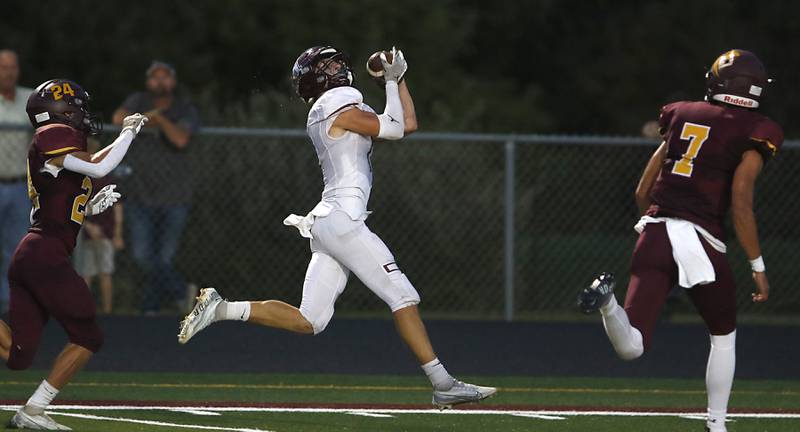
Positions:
(738, 101)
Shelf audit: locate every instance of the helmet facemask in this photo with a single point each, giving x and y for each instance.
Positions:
(320, 69)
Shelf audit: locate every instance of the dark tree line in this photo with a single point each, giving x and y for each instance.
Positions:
(523, 66)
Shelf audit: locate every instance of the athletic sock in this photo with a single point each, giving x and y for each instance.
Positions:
(719, 376)
(440, 379)
(232, 311)
(626, 339)
(41, 398)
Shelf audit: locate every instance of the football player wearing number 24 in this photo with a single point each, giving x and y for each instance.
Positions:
(342, 127)
(712, 153)
(42, 280)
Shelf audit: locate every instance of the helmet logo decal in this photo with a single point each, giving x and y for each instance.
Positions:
(42, 117)
(724, 61)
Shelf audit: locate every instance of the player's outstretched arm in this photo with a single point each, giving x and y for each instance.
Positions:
(103, 162)
(409, 113)
(744, 219)
(649, 177)
(391, 124)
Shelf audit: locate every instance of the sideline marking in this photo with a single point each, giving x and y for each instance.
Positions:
(539, 416)
(197, 412)
(155, 423)
(404, 388)
(369, 414)
(561, 412)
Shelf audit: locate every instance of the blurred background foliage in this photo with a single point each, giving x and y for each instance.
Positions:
(542, 66)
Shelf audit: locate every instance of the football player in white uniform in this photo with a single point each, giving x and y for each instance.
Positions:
(341, 127)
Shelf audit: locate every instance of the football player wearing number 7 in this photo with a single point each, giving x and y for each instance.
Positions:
(42, 280)
(341, 127)
(708, 163)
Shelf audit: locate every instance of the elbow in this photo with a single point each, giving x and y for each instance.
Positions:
(740, 211)
(97, 173)
(389, 128)
(741, 203)
(392, 136)
(411, 126)
(181, 142)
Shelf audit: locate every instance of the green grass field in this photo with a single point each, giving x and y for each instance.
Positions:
(281, 403)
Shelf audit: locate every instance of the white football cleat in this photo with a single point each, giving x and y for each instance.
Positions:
(23, 420)
(713, 426)
(201, 316)
(460, 393)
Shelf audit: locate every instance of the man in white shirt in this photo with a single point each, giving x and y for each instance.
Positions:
(15, 138)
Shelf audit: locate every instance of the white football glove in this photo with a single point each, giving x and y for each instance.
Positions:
(395, 70)
(102, 200)
(133, 123)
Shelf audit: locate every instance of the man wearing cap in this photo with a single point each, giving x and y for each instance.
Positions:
(160, 192)
(14, 140)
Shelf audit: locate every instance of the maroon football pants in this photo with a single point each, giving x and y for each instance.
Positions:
(43, 283)
(654, 273)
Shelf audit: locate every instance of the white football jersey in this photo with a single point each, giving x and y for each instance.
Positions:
(345, 161)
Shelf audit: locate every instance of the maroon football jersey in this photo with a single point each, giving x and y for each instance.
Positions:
(59, 196)
(705, 144)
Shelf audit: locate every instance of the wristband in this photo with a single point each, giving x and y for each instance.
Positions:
(758, 265)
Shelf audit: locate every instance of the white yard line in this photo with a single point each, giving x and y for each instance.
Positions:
(539, 416)
(558, 413)
(155, 423)
(197, 412)
(369, 414)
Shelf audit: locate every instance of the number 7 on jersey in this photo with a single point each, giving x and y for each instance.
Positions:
(696, 135)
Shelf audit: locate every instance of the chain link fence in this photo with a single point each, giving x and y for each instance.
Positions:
(485, 226)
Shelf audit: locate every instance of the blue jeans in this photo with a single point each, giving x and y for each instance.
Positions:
(155, 236)
(15, 210)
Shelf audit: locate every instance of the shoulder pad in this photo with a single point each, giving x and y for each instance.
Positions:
(335, 99)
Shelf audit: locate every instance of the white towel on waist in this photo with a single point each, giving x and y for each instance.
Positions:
(304, 223)
(694, 266)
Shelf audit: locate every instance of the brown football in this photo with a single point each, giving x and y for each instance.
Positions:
(374, 65)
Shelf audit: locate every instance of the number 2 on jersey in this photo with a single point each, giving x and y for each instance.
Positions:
(79, 205)
(696, 135)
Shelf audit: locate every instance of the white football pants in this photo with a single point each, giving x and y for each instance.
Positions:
(341, 245)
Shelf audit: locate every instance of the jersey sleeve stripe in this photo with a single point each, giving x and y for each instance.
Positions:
(770, 146)
(61, 150)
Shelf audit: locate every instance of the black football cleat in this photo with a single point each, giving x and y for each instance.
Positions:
(597, 294)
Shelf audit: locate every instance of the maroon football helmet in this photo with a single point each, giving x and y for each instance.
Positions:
(65, 102)
(319, 69)
(737, 78)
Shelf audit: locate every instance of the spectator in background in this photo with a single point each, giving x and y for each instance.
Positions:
(14, 204)
(160, 192)
(102, 236)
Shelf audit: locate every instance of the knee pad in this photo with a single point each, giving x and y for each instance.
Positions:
(723, 325)
(404, 294)
(88, 336)
(631, 353)
(21, 357)
(318, 320)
